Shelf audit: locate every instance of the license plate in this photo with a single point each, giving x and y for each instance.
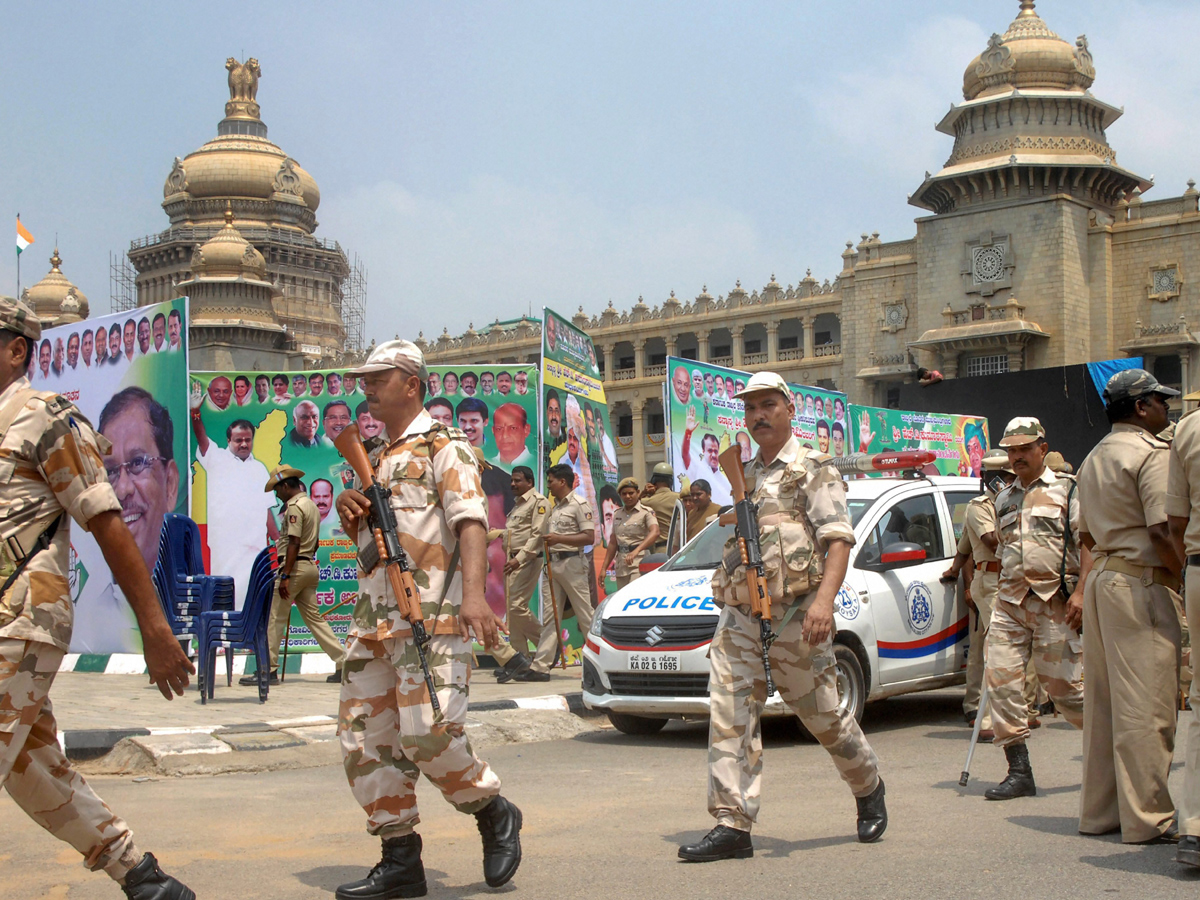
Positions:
(653, 662)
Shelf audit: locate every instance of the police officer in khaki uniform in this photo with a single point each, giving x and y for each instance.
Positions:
(1130, 630)
(661, 498)
(52, 474)
(806, 538)
(297, 581)
(522, 536)
(635, 530)
(567, 528)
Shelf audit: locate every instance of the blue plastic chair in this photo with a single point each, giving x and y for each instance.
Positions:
(240, 630)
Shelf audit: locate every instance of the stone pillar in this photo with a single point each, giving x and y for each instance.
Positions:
(671, 345)
(736, 332)
(1014, 357)
(950, 364)
(772, 340)
(639, 357)
(806, 325)
(636, 405)
(1185, 354)
(702, 344)
(607, 353)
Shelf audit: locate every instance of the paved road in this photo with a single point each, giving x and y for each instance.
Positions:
(604, 814)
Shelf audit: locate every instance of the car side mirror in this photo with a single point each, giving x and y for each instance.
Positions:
(902, 554)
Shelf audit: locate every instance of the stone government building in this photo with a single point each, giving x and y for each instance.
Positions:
(1038, 251)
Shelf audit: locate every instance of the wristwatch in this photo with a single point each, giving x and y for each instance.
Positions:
(284, 576)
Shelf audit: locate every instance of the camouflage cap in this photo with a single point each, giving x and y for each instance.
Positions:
(765, 381)
(281, 473)
(18, 318)
(1130, 384)
(996, 461)
(1022, 430)
(403, 355)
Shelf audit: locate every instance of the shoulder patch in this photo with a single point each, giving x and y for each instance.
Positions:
(58, 404)
(587, 514)
(541, 509)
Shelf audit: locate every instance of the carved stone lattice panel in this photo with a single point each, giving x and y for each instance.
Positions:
(988, 265)
(1164, 283)
(895, 317)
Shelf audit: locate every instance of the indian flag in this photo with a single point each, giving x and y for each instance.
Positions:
(24, 238)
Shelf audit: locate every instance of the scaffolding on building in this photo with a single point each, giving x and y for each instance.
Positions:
(122, 283)
(354, 305)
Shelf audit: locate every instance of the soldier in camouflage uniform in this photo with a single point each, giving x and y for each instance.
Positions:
(386, 723)
(52, 471)
(1039, 602)
(806, 536)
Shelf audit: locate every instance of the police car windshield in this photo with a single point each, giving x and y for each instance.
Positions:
(705, 551)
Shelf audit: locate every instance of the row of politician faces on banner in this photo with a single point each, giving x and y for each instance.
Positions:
(88, 349)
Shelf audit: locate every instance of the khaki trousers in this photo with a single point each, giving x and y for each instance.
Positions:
(302, 587)
(39, 777)
(571, 577)
(1131, 644)
(1189, 803)
(524, 628)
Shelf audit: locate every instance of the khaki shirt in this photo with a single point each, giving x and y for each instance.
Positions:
(51, 460)
(570, 515)
(662, 504)
(433, 478)
(301, 520)
(629, 530)
(522, 530)
(979, 519)
(1183, 480)
(1030, 525)
(1123, 490)
(801, 501)
(699, 518)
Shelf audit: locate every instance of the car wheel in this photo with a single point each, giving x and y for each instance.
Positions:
(852, 686)
(627, 724)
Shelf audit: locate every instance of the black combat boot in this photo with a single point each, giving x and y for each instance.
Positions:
(1188, 853)
(146, 881)
(872, 816)
(399, 874)
(518, 665)
(500, 827)
(1019, 782)
(722, 842)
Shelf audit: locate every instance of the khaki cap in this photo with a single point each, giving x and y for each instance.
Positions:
(281, 473)
(1056, 463)
(996, 461)
(18, 318)
(403, 355)
(1022, 430)
(765, 381)
(628, 482)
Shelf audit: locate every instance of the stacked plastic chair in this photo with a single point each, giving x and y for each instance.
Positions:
(242, 630)
(184, 590)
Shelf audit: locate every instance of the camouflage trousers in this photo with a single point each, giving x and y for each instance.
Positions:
(38, 776)
(1131, 644)
(389, 737)
(1036, 629)
(806, 680)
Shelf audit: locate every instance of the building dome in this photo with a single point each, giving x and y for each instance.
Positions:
(228, 254)
(1029, 56)
(46, 297)
(242, 166)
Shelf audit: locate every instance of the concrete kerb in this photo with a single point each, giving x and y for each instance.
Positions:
(303, 742)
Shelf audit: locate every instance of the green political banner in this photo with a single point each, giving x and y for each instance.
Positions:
(575, 416)
(957, 441)
(704, 418)
(127, 373)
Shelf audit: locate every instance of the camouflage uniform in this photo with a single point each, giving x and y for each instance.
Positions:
(802, 507)
(1130, 640)
(1030, 617)
(385, 721)
(629, 530)
(51, 463)
(570, 515)
(302, 519)
(522, 537)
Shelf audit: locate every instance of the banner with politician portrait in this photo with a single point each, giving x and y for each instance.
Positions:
(127, 373)
(576, 431)
(245, 423)
(958, 441)
(496, 407)
(704, 418)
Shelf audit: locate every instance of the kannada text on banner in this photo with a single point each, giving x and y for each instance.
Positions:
(127, 373)
(958, 441)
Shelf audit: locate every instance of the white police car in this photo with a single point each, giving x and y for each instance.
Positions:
(645, 659)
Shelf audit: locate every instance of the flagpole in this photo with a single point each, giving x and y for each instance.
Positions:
(18, 263)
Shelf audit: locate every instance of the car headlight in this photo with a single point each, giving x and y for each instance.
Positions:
(594, 631)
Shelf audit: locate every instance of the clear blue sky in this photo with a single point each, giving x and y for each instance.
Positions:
(489, 158)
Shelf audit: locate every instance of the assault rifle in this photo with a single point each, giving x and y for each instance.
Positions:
(746, 532)
(382, 523)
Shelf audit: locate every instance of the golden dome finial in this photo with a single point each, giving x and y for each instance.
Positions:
(243, 88)
(228, 214)
(1027, 9)
(55, 260)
